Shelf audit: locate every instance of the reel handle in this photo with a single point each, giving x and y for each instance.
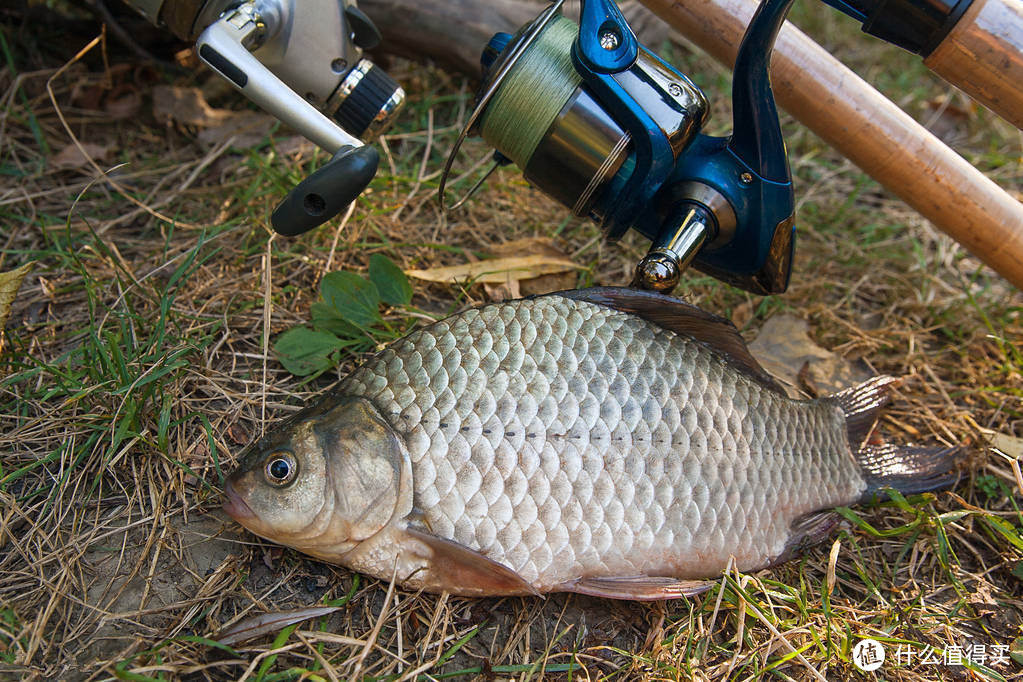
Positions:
(327, 191)
(224, 47)
(359, 96)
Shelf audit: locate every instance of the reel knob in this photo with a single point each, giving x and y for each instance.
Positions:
(672, 252)
(370, 100)
(327, 191)
(658, 272)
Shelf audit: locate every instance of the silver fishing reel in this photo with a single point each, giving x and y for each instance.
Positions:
(303, 63)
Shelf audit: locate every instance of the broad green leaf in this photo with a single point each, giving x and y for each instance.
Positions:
(1016, 650)
(352, 297)
(304, 351)
(326, 319)
(390, 280)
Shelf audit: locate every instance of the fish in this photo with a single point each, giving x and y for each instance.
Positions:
(605, 441)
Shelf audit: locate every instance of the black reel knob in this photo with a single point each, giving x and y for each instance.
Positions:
(323, 194)
(370, 99)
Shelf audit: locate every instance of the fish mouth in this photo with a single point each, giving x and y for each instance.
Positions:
(235, 506)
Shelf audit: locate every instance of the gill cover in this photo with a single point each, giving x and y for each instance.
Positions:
(367, 464)
(353, 477)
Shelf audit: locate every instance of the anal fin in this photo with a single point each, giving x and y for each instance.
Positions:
(808, 530)
(635, 587)
(457, 569)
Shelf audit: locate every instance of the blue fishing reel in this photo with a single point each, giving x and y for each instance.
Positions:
(610, 130)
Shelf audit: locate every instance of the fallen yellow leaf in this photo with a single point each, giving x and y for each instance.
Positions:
(496, 270)
(72, 157)
(1008, 445)
(9, 284)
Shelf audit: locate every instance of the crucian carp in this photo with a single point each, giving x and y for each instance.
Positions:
(604, 441)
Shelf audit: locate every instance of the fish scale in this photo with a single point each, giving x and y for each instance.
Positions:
(556, 488)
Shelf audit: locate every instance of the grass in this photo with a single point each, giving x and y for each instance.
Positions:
(138, 362)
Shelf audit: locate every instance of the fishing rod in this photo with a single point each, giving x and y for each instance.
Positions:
(611, 131)
(601, 123)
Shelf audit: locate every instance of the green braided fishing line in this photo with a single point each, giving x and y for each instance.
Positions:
(532, 93)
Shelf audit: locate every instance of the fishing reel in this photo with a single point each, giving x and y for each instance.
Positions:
(611, 131)
(273, 50)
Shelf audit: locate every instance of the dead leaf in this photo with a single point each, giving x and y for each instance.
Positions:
(948, 121)
(10, 282)
(266, 623)
(505, 291)
(295, 147)
(238, 433)
(496, 270)
(982, 597)
(248, 128)
(1011, 446)
(71, 157)
(215, 88)
(86, 95)
(786, 350)
(544, 284)
(742, 314)
(122, 102)
(187, 58)
(187, 106)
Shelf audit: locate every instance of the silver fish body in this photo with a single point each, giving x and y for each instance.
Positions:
(584, 447)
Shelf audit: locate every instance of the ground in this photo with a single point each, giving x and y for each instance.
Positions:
(137, 362)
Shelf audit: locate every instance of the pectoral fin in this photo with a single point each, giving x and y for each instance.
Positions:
(636, 587)
(457, 569)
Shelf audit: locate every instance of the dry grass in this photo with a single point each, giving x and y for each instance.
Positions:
(134, 368)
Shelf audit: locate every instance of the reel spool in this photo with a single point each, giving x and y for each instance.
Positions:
(611, 131)
(546, 120)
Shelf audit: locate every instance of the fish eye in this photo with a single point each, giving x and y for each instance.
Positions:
(280, 468)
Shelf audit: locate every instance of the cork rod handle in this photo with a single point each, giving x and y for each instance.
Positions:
(870, 130)
(983, 55)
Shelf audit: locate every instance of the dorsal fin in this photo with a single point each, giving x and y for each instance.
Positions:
(714, 332)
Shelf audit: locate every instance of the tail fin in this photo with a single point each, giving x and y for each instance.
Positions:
(909, 470)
